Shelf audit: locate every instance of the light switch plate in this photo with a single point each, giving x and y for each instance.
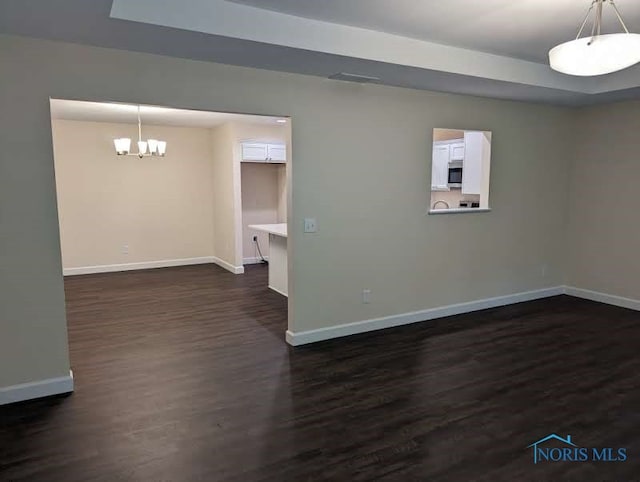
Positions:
(310, 225)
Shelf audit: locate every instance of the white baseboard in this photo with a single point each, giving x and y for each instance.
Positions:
(603, 298)
(312, 336)
(254, 260)
(278, 291)
(228, 266)
(166, 263)
(39, 389)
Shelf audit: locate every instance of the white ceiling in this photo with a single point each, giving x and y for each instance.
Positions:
(523, 29)
(228, 19)
(388, 54)
(150, 115)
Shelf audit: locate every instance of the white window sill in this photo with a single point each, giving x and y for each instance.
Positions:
(459, 211)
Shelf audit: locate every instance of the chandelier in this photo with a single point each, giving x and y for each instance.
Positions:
(150, 147)
(597, 54)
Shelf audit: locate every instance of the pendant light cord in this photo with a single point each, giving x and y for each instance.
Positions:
(586, 18)
(596, 29)
(139, 126)
(615, 9)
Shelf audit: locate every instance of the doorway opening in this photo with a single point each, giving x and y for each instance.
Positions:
(171, 219)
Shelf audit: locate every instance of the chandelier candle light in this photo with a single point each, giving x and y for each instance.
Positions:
(150, 147)
(597, 54)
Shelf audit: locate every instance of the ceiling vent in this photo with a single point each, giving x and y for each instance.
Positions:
(360, 79)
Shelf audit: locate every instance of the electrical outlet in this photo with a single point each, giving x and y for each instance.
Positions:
(366, 296)
(125, 249)
(543, 270)
(310, 225)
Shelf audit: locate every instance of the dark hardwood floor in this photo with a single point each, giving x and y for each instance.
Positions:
(182, 374)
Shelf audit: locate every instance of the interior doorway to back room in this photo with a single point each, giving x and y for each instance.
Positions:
(170, 219)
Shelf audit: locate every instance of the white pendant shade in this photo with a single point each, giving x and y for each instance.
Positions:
(597, 55)
(153, 145)
(142, 147)
(123, 145)
(162, 148)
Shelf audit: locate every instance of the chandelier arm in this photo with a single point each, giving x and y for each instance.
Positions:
(615, 9)
(586, 19)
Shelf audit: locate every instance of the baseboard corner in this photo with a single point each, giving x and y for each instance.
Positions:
(600, 297)
(38, 389)
(228, 266)
(290, 337)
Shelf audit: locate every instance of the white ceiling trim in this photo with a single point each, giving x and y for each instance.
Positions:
(218, 17)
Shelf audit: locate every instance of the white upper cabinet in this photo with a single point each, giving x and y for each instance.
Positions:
(440, 168)
(457, 151)
(277, 153)
(264, 152)
(445, 152)
(254, 152)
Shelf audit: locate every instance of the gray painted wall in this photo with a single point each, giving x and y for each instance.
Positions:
(604, 227)
(361, 166)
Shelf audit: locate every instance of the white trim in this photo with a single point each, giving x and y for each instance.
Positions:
(236, 166)
(278, 291)
(312, 336)
(256, 260)
(166, 263)
(39, 389)
(230, 19)
(228, 266)
(459, 210)
(603, 298)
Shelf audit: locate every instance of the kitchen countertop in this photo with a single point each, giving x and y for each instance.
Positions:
(276, 229)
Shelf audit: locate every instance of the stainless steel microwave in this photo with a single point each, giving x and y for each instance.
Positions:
(455, 176)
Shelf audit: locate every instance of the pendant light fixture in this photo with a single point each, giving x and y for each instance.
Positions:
(597, 54)
(150, 147)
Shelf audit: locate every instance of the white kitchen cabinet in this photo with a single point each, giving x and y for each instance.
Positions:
(475, 174)
(457, 151)
(264, 152)
(254, 152)
(440, 167)
(277, 153)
